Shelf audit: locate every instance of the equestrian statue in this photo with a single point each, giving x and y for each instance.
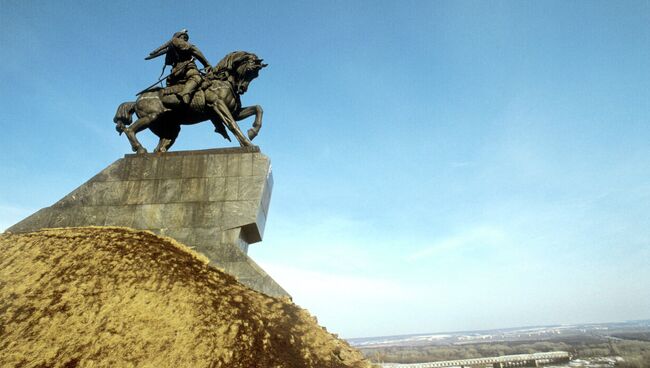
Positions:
(192, 96)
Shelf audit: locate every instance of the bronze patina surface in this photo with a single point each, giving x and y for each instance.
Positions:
(180, 54)
(192, 97)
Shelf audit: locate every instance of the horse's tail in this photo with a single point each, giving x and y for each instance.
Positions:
(123, 116)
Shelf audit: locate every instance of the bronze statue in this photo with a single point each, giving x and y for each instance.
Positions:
(216, 97)
(180, 54)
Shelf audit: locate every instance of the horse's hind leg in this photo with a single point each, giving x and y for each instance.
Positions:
(137, 127)
(164, 144)
(167, 132)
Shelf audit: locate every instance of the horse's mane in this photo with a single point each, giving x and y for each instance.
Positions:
(230, 61)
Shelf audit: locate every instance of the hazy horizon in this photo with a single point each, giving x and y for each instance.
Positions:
(501, 329)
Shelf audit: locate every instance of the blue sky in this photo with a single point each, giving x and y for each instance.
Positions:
(438, 165)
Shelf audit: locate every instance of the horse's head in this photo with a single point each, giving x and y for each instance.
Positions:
(239, 68)
(247, 71)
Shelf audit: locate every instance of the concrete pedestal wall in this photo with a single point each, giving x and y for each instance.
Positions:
(215, 201)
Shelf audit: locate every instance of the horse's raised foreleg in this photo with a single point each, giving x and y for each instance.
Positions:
(222, 111)
(257, 124)
(137, 127)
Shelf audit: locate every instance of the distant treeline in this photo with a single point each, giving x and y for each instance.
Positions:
(636, 353)
(642, 336)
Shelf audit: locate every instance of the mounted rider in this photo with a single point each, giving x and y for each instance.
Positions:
(180, 54)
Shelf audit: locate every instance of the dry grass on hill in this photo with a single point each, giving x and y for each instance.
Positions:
(116, 297)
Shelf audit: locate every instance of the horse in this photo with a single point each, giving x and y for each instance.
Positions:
(217, 100)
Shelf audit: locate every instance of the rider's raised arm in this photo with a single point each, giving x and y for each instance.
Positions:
(200, 57)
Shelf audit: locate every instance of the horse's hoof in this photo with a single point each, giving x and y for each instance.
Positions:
(141, 150)
(251, 134)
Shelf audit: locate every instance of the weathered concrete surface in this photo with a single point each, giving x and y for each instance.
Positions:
(215, 201)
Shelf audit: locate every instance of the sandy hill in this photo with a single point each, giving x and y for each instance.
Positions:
(116, 297)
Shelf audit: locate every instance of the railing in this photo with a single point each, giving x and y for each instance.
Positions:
(501, 360)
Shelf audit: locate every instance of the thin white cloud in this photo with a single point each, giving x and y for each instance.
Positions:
(481, 236)
(336, 243)
(459, 164)
(303, 284)
(347, 304)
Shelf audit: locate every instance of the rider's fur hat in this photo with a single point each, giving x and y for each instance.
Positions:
(181, 33)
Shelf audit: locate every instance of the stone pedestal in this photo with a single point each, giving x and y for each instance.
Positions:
(215, 201)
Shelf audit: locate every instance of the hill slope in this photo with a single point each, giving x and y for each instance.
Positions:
(119, 297)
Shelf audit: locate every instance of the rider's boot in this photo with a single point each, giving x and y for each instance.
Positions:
(170, 100)
(186, 93)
